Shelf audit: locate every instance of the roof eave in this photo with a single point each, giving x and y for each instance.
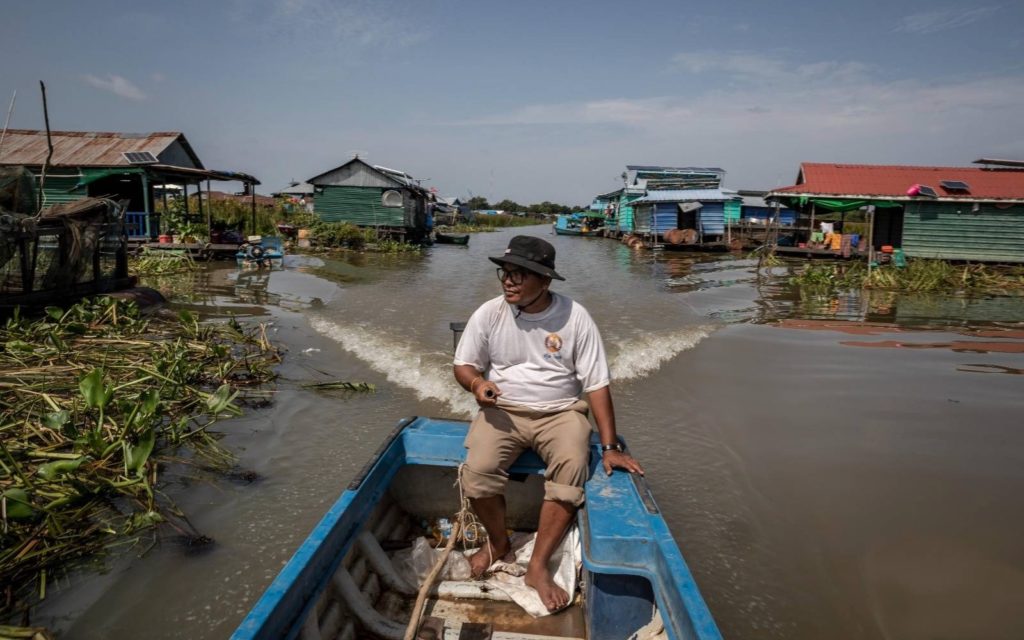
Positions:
(901, 198)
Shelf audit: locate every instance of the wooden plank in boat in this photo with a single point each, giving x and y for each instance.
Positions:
(431, 628)
(476, 631)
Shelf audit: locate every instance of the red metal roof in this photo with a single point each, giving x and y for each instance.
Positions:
(86, 148)
(893, 181)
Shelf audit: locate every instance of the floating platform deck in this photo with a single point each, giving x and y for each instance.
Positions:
(198, 250)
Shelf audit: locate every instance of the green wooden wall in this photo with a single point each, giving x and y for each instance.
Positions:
(732, 210)
(357, 205)
(952, 231)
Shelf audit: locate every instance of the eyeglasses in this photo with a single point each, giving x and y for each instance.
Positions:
(515, 277)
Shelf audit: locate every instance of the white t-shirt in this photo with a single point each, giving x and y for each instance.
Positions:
(544, 361)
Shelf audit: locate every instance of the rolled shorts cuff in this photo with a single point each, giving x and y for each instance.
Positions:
(482, 485)
(563, 493)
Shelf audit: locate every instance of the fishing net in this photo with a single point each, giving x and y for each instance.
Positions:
(17, 191)
(62, 245)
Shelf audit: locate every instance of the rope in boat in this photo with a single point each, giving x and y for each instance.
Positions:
(466, 527)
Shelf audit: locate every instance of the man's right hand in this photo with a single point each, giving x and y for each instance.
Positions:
(486, 394)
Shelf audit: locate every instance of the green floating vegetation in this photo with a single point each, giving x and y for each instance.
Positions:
(95, 401)
(339, 385)
(158, 262)
(24, 633)
(483, 222)
(344, 235)
(919, 276)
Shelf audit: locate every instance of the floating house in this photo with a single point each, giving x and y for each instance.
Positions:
(368, 195)
(625, 213)
(119, 166)
(640, 180)
(701, 210)
(950, 213)
(451, 210)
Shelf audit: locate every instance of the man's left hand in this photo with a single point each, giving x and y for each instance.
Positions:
(613, 459)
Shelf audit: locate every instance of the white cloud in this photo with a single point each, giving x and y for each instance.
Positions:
(746, 67)
(942, 19)
(117, 85)
(334, 24)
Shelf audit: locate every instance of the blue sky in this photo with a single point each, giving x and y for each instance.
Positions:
(530, 100)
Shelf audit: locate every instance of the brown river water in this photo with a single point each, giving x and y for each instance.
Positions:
(837, 468)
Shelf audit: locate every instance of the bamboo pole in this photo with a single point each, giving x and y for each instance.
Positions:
(10, 110)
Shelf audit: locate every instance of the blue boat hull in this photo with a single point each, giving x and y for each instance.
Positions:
(578, 232)
(630, 560)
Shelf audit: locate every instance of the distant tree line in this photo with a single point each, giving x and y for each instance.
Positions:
(550, 208)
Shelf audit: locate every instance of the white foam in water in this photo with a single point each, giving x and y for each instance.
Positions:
(637, 357)
(429, 375)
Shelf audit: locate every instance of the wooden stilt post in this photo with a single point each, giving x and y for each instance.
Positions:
(199, 199)
(209, 208)
(811, 233)
(871, 237)
(146, 208)
(252, 190)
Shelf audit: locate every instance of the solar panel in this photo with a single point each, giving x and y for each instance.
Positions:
(954, 185)
(925, 190)
(140, 157)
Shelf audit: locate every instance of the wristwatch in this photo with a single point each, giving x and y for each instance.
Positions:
(610, 447)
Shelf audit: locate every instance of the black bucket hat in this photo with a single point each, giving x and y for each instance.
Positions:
(530, 253)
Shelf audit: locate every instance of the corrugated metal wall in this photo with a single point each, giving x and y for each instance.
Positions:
(624, 221)
(953, 231)
(666, 217)
(357, 205)
(642, 218)
(712, 219)
(61, 188)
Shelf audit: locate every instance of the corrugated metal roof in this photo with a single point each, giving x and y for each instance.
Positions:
(86, 148)
(688, 195)
(893, 181)
(297, 189)
(644, 167)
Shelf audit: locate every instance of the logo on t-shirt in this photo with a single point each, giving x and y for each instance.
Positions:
(553, 343)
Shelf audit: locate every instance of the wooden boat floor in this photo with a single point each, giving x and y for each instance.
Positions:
(508, 619)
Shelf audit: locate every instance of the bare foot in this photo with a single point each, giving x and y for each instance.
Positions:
(488, 554)
(553, 596)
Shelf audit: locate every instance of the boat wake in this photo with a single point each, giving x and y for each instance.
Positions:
(633, 358)
(429, 376)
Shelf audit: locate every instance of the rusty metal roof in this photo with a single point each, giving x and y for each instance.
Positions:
(86, 148)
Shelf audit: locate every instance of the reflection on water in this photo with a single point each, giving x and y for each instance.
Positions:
(776, 299)
(990, 368)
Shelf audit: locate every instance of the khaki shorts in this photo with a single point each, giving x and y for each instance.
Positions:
(499, 434)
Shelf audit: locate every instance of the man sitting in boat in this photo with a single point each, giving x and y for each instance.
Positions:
(528, 357)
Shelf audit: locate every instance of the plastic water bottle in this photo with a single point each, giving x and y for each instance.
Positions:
(444, 527)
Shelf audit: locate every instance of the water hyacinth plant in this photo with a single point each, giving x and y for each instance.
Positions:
(919, 276)
(95, 401)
